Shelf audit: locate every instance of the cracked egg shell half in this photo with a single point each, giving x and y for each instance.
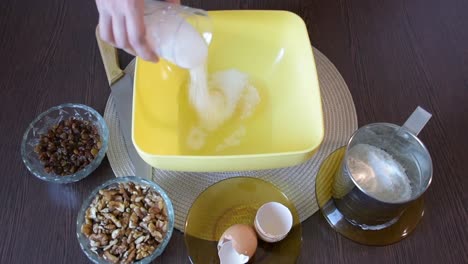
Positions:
(237, 244)
(273, 222)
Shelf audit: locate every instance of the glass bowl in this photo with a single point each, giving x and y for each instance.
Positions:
(41, 125)
(84, 241)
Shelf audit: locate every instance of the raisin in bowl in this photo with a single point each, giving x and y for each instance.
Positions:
(65, 143)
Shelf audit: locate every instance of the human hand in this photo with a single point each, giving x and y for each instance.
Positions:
(121, 24)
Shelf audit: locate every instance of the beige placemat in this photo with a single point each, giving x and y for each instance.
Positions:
(297, 182)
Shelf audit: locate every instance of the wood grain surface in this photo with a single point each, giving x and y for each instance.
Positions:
(394, 55)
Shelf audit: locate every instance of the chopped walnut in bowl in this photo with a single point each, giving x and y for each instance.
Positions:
(125, 220)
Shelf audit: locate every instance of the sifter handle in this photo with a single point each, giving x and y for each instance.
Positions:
(416, 122)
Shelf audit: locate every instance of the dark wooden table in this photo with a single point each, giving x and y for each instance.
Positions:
(394, 55)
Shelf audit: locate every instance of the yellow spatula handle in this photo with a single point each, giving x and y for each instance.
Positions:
(110, 60)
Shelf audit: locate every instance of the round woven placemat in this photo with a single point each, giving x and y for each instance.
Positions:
(297, 182)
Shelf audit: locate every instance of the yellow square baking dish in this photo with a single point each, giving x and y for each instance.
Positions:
(274, 49)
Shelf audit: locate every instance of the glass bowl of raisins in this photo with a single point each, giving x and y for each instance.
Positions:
(65, 143)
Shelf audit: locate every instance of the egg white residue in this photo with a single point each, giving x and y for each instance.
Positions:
(232, 140)
(250, 98)
(196, 138)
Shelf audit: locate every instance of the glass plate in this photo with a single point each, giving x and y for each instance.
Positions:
(392, 234)
(236, 201)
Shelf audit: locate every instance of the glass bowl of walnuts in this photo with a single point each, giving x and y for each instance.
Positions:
(65, 143)
(125, 220)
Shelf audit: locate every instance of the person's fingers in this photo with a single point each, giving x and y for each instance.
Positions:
(105, 28)
(122, 25)
(137, 34)
(120, 31)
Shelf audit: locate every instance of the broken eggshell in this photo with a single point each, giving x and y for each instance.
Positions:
(273, 222)
(237, 244)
